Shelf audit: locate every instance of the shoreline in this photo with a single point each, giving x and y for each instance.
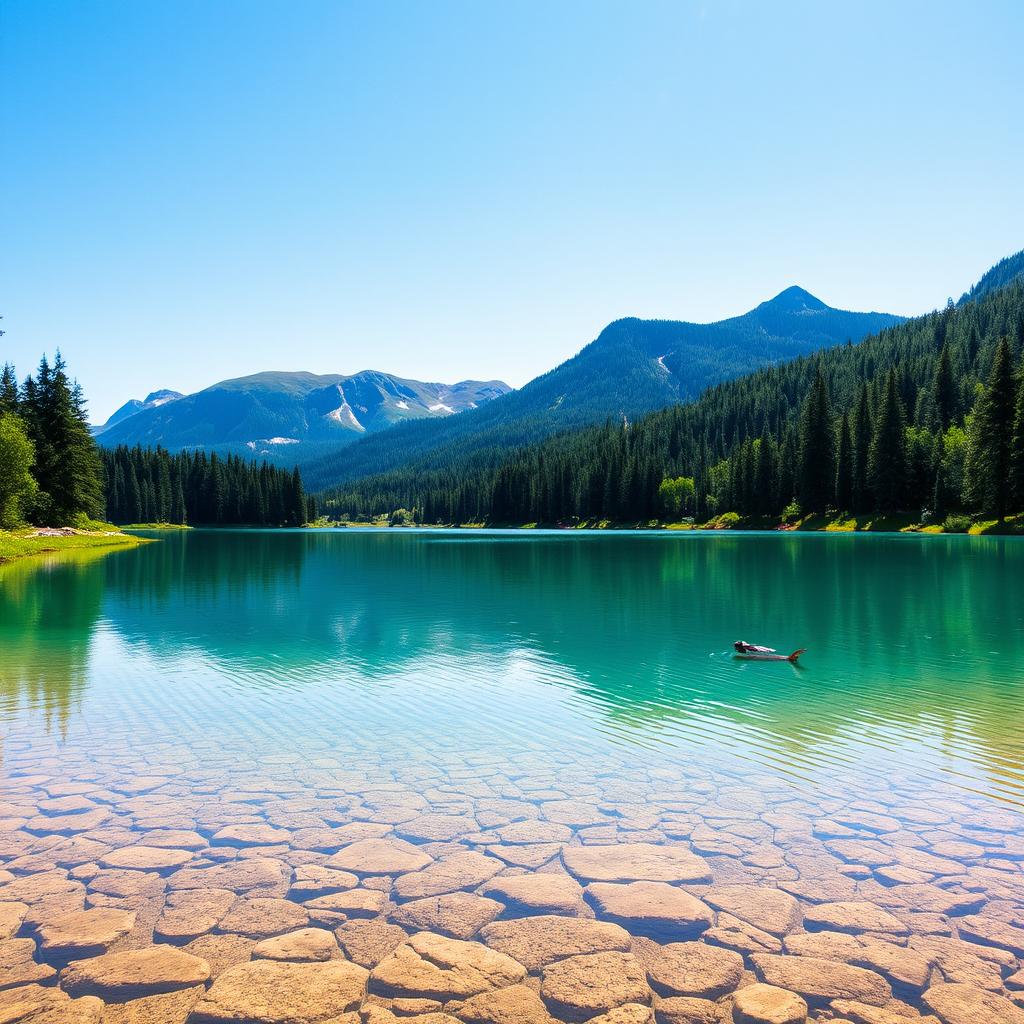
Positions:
(1013, 526)
(16, 545)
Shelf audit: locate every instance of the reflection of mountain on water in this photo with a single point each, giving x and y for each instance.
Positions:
(641, 623)
(49, 608)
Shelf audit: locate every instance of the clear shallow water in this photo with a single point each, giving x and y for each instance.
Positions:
(501, 676)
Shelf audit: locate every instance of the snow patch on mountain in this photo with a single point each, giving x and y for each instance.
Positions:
(344, 415)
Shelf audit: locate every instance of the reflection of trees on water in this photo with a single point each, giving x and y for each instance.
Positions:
(637, 625)
(49, 608)
(635, 620)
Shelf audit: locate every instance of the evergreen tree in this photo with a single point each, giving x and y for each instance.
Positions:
(887, 456)
(8, 390)
(993, 435)
(817, 448)
(765, 474)
(788, 460)
(844, 466)
(133, 499)
(67, 469)
(939, 490)
(863, 428)
(1017, 452)
(944, 390)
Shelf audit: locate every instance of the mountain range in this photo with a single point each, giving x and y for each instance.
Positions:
(633, 367)
(152, 401)
(341, 427)
(291, 415)
(924, 418)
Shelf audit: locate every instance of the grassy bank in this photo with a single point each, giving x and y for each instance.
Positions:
(25, 543)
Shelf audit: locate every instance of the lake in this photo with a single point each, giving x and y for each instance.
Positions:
(227, 736)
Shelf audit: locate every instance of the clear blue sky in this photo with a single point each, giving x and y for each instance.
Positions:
(197, 190)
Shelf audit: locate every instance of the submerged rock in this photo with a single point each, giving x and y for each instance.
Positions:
(538, 893)
(130, 974)
(581, 986)
(516, 1004)
(272, 992)
(459, 871)
(692, 969)
(304, 945)
(820, 980)
(964, 1004)
(83, 934)
(636, 862)
(537, 941)
(766, 1004)
(380, 857)
(35, 1004)
(434, 966)
(458, 914)
(654, 909)
(770, 910)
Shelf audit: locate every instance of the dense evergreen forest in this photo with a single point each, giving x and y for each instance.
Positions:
(50, 471)
(53, 474)
(926, 417)
(150, 485)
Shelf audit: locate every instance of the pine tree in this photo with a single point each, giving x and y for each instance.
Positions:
(297, 500)
(944, 390)
(67, 468)
(1017, 452)
(887, 456)
(993, 430)
(844, 466)
(765, 490)
(163, 489)
(817, 448)
(788, 464)
(8, 390)
(939, 495)
(133, 498)
(862, 430)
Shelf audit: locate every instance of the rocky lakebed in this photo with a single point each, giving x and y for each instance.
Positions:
(320, 893)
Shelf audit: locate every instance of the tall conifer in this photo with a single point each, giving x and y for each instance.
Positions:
(993, 432)
(887, 456)
(817, 448)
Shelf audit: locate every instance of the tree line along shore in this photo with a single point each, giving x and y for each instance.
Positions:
(920, 426)
(60, 491)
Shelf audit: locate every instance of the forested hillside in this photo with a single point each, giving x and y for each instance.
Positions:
(632, 368)
(926, 416)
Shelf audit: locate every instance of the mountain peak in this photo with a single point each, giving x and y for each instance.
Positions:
(794, 299)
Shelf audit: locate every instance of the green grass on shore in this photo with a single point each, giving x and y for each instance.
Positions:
(22, 543)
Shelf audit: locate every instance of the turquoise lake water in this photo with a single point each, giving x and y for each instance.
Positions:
(518, 694)
(610, 644)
